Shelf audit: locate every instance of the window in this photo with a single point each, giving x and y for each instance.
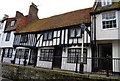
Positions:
(12, 23)
(8, 36)
(106, 2)
(109, 20)
(24, 38)
(46, 55)
(1, 25)
(48, 36)
(74, 52)
(22, 53)
(8, 52)
(75, 32)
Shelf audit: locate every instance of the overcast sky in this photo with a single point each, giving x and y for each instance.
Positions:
(46, 7)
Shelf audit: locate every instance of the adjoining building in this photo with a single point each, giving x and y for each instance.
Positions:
(106, 34)
(9, 26)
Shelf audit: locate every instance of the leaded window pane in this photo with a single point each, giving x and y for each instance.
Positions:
(46, 55)
(50, 35)
(78, 33)
(72, 33)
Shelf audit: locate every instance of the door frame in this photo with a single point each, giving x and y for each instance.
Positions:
(57, 58)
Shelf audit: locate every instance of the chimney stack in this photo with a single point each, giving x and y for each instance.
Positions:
(19, 14)
(32, 15)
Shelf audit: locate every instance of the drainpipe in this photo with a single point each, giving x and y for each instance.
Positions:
(93, 42)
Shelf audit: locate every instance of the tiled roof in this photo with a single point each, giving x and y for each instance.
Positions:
(58, 21)
(21, 22)
(114, 5)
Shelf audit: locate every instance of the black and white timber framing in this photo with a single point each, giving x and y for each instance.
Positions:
(60, 36)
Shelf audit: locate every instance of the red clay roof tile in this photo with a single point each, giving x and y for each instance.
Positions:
(58, 21)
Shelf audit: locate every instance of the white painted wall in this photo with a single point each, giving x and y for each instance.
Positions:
(8, 43)
(72, 66)
(1, 35)
(116, 54)
(118, 24)
(106, 34)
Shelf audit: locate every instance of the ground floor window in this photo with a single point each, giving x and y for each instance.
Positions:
(7, 52)
(46, 54)
(22, 53)
(73, 53)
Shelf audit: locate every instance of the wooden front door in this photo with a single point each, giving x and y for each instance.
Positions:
(57, 57)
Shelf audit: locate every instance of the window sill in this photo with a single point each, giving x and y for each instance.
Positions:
(110, 28)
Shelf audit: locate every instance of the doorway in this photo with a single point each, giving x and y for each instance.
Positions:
(57, 57)
(105, 51)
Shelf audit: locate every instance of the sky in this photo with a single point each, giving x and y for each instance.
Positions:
(46, 8)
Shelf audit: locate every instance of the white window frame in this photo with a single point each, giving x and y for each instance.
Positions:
(109, 19)
(106, 2)
(12, 23)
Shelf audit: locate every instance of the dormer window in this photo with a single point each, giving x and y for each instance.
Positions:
(12, 23)
(109, 20)
(48, 36)
(106, 2)
(76, 32)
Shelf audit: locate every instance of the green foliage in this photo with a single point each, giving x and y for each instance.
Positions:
(17, 72)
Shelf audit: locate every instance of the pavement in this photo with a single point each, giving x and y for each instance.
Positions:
(4, 79)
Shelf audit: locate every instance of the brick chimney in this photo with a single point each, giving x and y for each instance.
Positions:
(19, 14)
(32, 15)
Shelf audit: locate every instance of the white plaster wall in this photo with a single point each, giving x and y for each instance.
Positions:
(116, 54)
(119, 25)
(105, 34)
(72, 66)
(44, 64)
(8, 43)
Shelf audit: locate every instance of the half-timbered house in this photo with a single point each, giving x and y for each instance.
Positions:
(105, 35)
(57, 41)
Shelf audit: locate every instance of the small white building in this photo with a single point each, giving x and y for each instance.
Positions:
(2, 27)
(106, 34)
(13, 25)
